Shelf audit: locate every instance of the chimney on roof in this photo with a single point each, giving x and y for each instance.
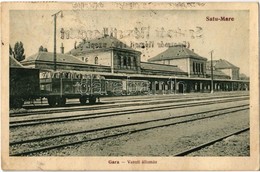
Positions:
(192, 50)
(62, 48)
(75, 45)
(106, 32)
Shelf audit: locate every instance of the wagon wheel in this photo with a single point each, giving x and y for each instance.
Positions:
(61, 101)
(52, 101)
(92, 100)
(83, 100)
(17, 103)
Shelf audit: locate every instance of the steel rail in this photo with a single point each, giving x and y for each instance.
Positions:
(69, 109)
(32, 122)
(122, 133)
(196, 148)
(122, 125)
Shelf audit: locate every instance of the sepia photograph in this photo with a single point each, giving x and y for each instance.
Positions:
(130, 86)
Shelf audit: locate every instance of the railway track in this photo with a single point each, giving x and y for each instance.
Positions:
(73, 138)
(75, 102)
(38, 121)
(207, 144)
(124, 104)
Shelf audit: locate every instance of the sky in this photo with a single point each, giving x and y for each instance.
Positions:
(228, 39)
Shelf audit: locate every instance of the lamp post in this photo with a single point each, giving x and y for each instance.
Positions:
(175, 85)
(127, 87)
(170, 83)
(54, 52)
(211, 69)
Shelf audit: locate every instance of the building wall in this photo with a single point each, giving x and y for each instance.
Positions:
(227, 72)
(235, 74)
(197, 67)
(66, 66)
(97, 58)
(186, 64)
(128, 61)
(181, 63)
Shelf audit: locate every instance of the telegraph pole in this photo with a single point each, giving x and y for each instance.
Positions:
(55, 53)
(211, 69)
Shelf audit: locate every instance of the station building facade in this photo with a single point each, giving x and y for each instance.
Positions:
(177, 69)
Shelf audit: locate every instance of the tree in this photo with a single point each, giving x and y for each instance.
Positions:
(41, 49)
(19, 51)
(10, 50)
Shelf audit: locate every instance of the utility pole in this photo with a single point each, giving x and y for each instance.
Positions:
(211, 69)
(54, 52)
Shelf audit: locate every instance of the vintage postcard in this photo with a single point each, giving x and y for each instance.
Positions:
(130, 86)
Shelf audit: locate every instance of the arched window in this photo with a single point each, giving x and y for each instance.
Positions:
(125, 61)
(96, 60)
(119, 61)
(129, 61)
(86, 60)
(135, 61)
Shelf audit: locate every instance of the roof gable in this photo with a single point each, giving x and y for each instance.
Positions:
(176, 52)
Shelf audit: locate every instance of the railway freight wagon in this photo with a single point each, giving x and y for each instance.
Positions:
(119, 87)
(24, 85)
(59, 86)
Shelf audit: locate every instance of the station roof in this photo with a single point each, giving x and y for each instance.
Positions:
(105, 42)
(14, 63)
(48, 56)
(176, 52)
(160, 67)
(216, 72)
(243, 76)
(222, 64)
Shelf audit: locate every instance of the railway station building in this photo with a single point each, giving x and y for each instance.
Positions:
(176, 70)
